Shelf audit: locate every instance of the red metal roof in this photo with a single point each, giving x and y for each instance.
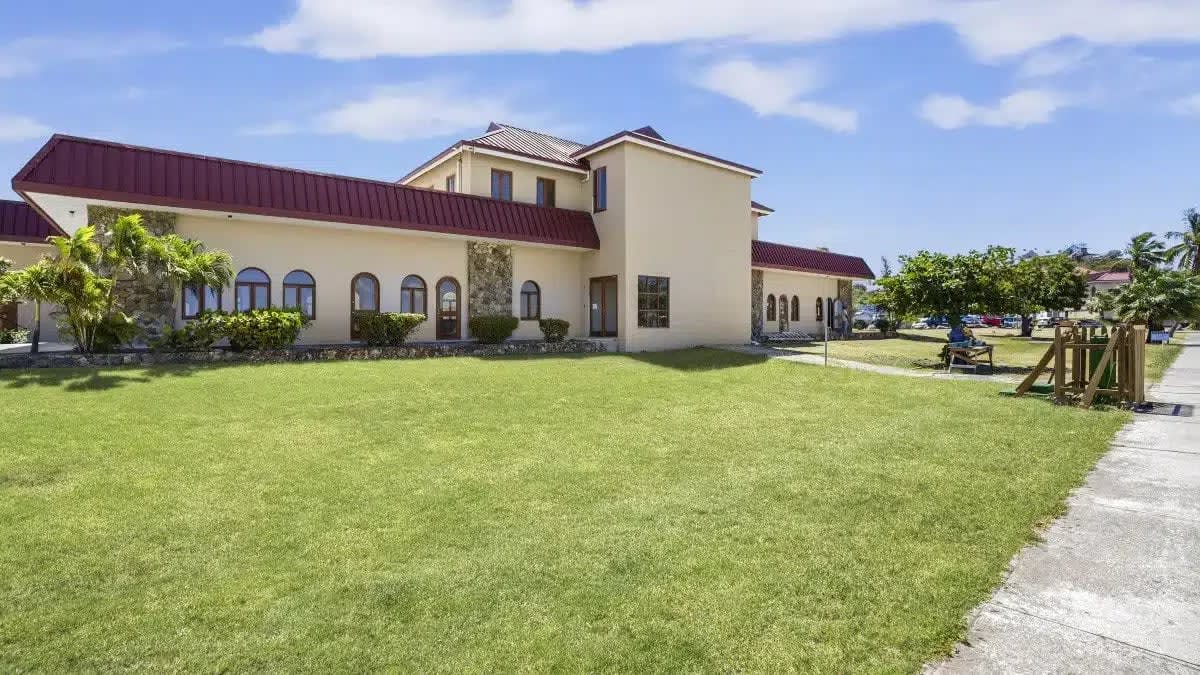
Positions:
(96, 169)
(781, 256)
(1109, 277)
(19, 222)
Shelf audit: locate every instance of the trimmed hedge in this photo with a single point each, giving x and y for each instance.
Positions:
(263, 328)
(386, 329)
(14, 336)
(554, 330)
(491, 330)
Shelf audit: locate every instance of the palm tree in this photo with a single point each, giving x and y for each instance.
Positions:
(40, 283)
(1155, 295)
(1187, 251)
(1145, 251)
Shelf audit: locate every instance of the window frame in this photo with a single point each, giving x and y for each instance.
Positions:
(311, 286)
(409, 292)
(795, 308)
(770, 307)
(537, 296)
(354, 335)
(542, 192)
(820, 309)
(663, 297)
(251, 285)
(501, 173)
(599, 196)
(201, 300)
(452, 183)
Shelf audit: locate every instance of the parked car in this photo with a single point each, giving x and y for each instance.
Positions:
(973, 321)
(993, 321)
(1012, 322)
(922, 323)
(1046, 322)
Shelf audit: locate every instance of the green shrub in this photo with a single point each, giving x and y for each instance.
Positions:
(264, 329)
(554, 330)
(197, 335)
(859, 324)
(492, 330)
(386, 329)
(885, 326)
(14, 336)
(113, 331)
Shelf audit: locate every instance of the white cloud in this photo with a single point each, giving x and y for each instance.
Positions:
(15, 128)
(778, 89)
(1020, 109)
(30, 55)
(1188, 105)
(1052, 61)
(991, 29)
(422, 109)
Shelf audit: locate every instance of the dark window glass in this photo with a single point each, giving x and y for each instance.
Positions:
(600, 189)
(364, 297)
(545, 192)
(531, 301)
(252, 290)
(502, 185)
(770, 308)
(795, 308)
(654, 302)
(299, 292)
(412, 295)
(820, 309)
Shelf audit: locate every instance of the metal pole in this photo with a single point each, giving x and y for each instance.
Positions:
(827, 343)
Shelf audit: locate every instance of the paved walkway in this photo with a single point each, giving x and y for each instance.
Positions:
(817, 360)
(1115, 586)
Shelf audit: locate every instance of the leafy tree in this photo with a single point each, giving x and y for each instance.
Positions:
(860, 294)
(1045, 283)
(39, 283)
(953, 285)
(1155, 296)
(1145, 251)
(1187, 252)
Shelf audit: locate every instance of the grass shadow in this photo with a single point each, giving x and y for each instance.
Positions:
(102, 378)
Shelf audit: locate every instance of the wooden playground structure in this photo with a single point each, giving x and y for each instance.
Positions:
(1093, 361)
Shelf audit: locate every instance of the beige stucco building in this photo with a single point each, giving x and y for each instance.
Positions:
(631, 239)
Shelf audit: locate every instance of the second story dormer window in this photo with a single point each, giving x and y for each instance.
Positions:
(502, 185)
(450, 183)
(545, 192)
(600, 189)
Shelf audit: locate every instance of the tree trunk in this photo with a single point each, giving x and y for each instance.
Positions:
(37, 327)
(1026, 326)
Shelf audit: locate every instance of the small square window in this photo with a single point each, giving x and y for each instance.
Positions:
(502, 185)
(450, 183)
(545, 192)
(654, 302)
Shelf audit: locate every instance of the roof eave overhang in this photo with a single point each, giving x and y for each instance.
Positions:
(811, 272)
(762, 212)
(647, 142)
(24, 187)
(522, 157)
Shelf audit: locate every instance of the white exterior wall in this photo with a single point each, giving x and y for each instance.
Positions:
(610, 227)
(688, 221)
(570, 192)
(22, 256)
(556, 273)
(808, 287)
(333, 257)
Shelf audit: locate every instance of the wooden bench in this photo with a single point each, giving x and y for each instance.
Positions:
(968, 356)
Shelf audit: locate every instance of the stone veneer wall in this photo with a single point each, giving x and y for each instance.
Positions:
(489, 279)
(756, 304)
(846, 295)
(149, 300)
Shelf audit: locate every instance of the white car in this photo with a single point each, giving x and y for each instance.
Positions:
(921, 323)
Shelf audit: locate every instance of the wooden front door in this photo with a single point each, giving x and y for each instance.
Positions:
(449, 324)
(603, 306)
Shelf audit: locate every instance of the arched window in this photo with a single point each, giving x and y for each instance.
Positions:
(795, 308)
(300, 292)
(820, 309)
(412, 295)
(783, 306)
(251, 290)
(364, 297)
(531, 301)
(770, 308)
(448, 312)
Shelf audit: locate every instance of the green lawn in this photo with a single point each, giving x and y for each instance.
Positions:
(695, 510)
(921, 349)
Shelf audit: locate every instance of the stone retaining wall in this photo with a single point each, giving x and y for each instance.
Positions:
(314, 353)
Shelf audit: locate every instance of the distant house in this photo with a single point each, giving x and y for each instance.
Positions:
(1099, 282)
(23, 233)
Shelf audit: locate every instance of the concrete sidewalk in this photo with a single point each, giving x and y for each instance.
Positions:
(1115, 587)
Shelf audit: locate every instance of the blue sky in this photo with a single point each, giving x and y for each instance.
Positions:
(882, 126)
